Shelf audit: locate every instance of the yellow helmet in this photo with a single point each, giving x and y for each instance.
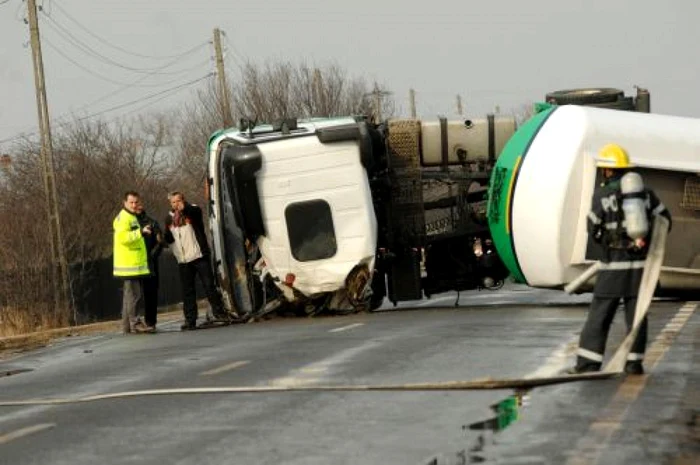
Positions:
(613, 156)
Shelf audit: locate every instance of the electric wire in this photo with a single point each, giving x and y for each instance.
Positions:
(121, 83)
(116, 47)
(162, 94)
(71, 38)
(142, 99)
(150, 104)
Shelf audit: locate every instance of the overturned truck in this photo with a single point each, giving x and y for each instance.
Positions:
(337, 214)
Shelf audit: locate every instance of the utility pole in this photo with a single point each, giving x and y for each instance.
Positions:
(378, 95)
(319, 96)
(412, 100)
(223, 88)
(59, 263)
(459, 105)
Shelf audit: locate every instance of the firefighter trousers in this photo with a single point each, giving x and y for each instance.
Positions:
(595, 332)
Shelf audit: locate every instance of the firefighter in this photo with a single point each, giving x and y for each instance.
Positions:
(625, 246)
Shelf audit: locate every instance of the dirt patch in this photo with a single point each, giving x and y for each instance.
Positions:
(29, 341)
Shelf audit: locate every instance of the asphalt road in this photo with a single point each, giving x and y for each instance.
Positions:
(513, 334)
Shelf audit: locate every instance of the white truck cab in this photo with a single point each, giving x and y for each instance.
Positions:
(291, 213)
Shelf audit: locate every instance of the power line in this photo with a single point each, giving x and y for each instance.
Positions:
(87, 70)
(135, 84)
(169, 92)
(138, 109)
(116, 47)
(69, 37)
(100, 76)
(123, 105)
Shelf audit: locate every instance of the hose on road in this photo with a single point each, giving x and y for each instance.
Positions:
(478, 384)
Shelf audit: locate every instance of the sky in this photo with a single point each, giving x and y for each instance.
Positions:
(109, 58)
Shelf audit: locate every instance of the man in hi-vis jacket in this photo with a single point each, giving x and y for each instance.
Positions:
(184, 231)
(131, 263)
(625, 247)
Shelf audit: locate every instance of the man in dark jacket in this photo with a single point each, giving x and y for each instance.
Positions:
(622, 266)
(154, 246)
(184, 230)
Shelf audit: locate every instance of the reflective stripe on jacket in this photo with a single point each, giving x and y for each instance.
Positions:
(130, 255)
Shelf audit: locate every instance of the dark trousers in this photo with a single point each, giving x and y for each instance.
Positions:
(150, 297)
(595, 332)
(188, 271)
(132, 302)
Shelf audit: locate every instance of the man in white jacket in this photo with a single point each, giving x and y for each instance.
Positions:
(184, 231)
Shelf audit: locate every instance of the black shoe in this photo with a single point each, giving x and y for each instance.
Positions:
(634, 368)
(188, 327)
(577, 370)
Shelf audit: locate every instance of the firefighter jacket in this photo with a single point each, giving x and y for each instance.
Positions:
(185, 231)
(130, 256)
(622, 264)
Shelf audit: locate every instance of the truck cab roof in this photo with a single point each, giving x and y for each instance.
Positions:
(278, 131)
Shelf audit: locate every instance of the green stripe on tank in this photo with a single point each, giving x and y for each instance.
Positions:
(502, 186)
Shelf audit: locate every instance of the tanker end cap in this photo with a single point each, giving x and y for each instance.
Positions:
(614, 157)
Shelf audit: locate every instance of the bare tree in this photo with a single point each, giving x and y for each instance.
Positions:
(282, 89)
(265, 93)
(95, 163)
(523, 112)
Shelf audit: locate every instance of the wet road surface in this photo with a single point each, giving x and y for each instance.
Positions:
(510, 334)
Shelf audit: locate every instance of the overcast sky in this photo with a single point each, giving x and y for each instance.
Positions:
(504, 53)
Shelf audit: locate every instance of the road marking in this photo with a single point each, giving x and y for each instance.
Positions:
(557, 361)
(589, 447)
(5, 438)
(345, 328)
(230, 366)
(316, 372)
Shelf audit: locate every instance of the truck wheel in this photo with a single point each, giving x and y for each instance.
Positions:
(584, 96)
(626, 103)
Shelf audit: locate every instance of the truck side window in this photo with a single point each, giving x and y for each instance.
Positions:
(310, 229)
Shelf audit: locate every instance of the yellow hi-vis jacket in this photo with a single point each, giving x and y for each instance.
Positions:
(130, 255)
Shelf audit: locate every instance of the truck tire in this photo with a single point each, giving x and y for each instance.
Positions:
(584, 96)
(626, 103)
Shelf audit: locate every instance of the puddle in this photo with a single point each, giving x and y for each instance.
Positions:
(505, 413)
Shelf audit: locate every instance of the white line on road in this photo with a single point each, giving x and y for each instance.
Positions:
(230, 366)
(318, 371)
(5, 438)
(556, 362)
(589, 448)
(345, 328)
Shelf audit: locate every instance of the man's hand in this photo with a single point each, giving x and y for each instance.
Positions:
(146, 230)
(639, 243)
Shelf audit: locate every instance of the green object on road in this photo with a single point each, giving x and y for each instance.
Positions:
(507, 412)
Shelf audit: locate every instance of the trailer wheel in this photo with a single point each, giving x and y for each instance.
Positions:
(584, 96)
